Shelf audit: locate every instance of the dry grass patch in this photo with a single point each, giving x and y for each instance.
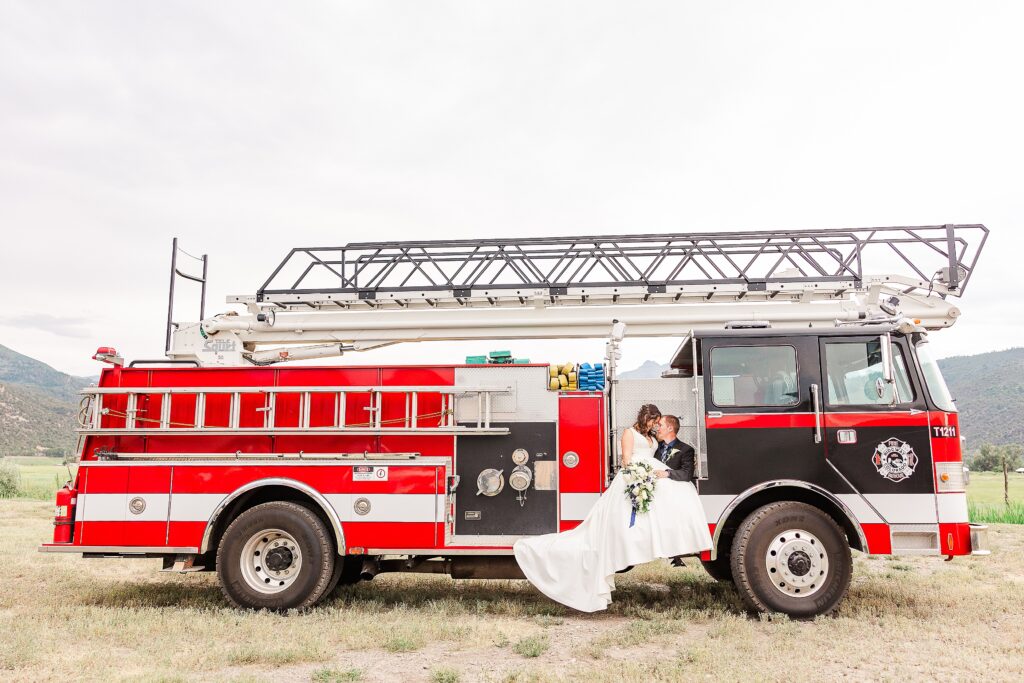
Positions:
(336, 675)
(123, 620)
(533, 646)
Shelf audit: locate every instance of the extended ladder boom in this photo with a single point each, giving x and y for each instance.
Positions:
(365, 295)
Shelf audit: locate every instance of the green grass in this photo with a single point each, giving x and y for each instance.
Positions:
(40, 476)
(985, 502)
(532, 646)
(986, 488)
(444, 675)
(996, 514)
(403, 643)
(336, 675)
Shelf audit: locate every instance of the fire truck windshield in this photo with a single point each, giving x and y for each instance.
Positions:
(933, 378)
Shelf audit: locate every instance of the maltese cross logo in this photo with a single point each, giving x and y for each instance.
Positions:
(894, 459)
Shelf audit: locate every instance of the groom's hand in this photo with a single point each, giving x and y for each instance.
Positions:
(661, 474)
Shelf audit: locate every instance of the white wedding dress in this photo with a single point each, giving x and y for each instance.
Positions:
(577, 567)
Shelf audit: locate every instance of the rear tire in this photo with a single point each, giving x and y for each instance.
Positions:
(792, 558)
(275, 556)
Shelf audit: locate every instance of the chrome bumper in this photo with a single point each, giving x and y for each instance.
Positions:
(979, 540)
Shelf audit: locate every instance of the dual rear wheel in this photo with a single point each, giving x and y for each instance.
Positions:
(278, 556)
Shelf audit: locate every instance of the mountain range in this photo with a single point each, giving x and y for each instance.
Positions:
(38, 404)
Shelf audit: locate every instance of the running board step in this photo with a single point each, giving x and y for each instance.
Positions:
(181, 564)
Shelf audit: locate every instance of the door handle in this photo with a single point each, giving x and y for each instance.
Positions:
(816, 403)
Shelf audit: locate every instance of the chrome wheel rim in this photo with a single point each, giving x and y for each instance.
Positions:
(270, 561)
(797, 563)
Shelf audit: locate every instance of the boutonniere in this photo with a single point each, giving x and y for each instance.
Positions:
(672, 451)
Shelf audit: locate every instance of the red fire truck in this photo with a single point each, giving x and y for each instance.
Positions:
(820, 419)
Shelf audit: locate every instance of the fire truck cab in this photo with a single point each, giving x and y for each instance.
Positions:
(812, 442)
(820, 421)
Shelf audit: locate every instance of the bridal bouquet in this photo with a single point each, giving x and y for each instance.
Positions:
(640, 481)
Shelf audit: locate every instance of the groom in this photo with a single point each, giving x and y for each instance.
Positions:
(677, 456)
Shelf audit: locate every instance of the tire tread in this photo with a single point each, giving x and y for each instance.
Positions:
(744, 537)
(321, 534)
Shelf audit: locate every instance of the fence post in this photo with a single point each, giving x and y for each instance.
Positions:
(1006, 482)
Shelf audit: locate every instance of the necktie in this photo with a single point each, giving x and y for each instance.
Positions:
(664, 450)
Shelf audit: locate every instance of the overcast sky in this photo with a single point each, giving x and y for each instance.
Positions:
(247, 128)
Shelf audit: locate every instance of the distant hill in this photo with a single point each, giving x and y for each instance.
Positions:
(989, 391)
(38, 406)
(17, 368)
(649, 370)
(988, 388)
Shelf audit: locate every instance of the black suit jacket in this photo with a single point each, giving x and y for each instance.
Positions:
(681, 464)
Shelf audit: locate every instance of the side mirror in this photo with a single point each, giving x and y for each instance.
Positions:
(888, 370)
(888, 373)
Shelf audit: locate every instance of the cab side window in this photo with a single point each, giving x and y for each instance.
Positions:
(855, 374)
(754, 376)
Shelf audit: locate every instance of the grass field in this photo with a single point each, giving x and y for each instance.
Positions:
(64, 617)
(40, 476)
(986, 488)
(985, 498)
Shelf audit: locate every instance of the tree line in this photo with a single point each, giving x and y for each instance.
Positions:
(993, 458)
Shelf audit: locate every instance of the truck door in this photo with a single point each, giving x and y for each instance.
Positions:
(759, 407)
(876, 433)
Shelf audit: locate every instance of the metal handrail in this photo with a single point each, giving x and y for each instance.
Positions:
(939, 254)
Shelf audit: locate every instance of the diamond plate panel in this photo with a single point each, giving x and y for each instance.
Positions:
(673, 396)
(528, 401)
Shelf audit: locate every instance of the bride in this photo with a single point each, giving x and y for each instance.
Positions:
(577, 567)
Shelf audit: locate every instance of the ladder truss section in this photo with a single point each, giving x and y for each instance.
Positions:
(615, 269)
(115, 411)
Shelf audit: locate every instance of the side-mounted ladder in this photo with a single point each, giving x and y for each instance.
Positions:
(97, 412)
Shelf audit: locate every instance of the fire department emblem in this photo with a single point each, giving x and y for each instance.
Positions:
(894, 459)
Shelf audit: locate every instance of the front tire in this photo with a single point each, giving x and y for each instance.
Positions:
(792, 558)
(275, 556)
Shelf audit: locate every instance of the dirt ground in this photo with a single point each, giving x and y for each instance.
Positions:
(63, 617)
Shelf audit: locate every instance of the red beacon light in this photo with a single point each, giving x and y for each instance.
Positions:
(108, 354)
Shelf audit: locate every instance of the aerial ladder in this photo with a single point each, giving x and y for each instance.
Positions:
(325, 301)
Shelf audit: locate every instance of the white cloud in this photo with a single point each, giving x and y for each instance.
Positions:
(249, 128)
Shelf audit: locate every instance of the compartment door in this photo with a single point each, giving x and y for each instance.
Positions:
(502, 511)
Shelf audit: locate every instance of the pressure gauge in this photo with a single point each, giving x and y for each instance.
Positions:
(520, 456)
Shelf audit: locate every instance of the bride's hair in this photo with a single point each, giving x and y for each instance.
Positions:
(647, 412)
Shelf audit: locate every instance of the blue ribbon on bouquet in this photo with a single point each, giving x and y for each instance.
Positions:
(632, 518)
